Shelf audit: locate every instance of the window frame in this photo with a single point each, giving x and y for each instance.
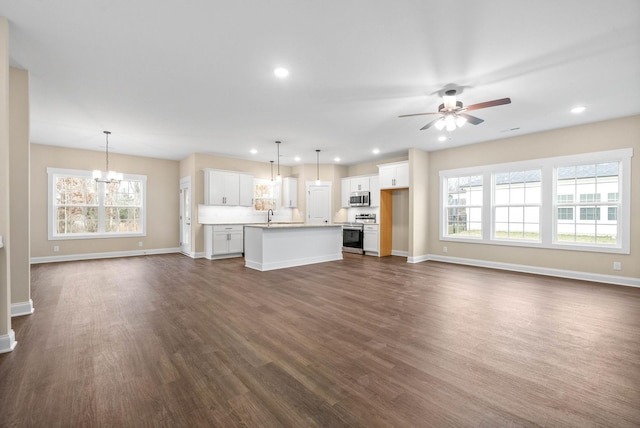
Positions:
(548, 217)
(447, 206)
(52, 173)
(514, 204)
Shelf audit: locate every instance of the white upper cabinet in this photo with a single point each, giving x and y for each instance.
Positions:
(346, 192)
(290, 192)
(227, 188)
(374, 188)
(245, 197)
(362, 183)
(359, 184)
(394, 175)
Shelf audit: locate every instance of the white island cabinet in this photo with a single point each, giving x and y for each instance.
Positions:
(286, 245)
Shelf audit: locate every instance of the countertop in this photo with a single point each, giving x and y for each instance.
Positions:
(290, 225)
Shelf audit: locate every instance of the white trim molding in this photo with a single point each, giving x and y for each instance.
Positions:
(109, 255)
(8, 342)
(193, 254)
(22, 308)
(560, 273)
(399, 253)
(418, 259)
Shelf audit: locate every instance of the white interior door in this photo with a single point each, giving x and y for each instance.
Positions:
(185, 215)
(318, 203)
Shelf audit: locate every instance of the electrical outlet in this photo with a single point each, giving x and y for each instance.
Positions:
(139, 243)
(445, 249)
(56, 248)
(617, 266)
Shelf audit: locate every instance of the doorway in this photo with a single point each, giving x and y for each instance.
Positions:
(318, 203)
(185, 216)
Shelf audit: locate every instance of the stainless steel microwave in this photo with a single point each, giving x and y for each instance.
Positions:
(359, 199)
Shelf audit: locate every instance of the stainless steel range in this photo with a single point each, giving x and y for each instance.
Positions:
(353, 233)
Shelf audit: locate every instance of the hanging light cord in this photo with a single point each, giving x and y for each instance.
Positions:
(107, 137)
(278, 145)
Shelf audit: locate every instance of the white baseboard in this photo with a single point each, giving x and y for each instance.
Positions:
(561, 273)
(399, 253)
(224, 256)
(8, 342)
(193, 254)
(418, 259)
(22, 308)
(109, 255)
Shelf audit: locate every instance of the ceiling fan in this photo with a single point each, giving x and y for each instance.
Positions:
(453, 114)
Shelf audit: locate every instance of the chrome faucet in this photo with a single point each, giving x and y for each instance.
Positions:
(269, 214)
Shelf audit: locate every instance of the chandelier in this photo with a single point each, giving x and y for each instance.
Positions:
(107, 176)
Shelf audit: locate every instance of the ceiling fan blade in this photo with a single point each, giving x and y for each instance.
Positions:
(430, 124)
(486, 104)
(471, 119)
(419, 114)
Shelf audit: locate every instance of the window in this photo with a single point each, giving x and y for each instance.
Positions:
(589, 197)
(589, 181)
(516, 202)
(565, 199)
(80, 207)
(463, 206)
(590, 213)
(565, 213)
(265, 195)
(580, 202)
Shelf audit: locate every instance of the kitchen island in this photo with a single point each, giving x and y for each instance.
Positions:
(277, 246)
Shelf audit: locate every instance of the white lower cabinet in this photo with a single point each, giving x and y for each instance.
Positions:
(223, 241)
(370, 244)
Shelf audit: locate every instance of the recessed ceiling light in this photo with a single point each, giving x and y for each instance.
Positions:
(578, 109)
(442, 138)
(376, 151)
(254, 151)
(336, 159)
(297, 158)
(281, 72)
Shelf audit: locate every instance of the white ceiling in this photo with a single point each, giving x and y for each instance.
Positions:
(169, 78)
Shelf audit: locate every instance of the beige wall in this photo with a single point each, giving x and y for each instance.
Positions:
(419, 203)
(370, 168)
(5, 165)
(19, 184)
(162, 200)
(400, 224)
(614, 134)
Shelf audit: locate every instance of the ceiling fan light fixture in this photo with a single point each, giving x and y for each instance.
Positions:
(439, 124)
(450, 122)
(449, 102)
(460, 121)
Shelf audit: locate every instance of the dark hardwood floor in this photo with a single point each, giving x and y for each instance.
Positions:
(170, 341)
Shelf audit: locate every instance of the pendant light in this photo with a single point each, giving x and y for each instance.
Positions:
(107, 176)
(278, 177)
(318, 167)
(271, 170)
